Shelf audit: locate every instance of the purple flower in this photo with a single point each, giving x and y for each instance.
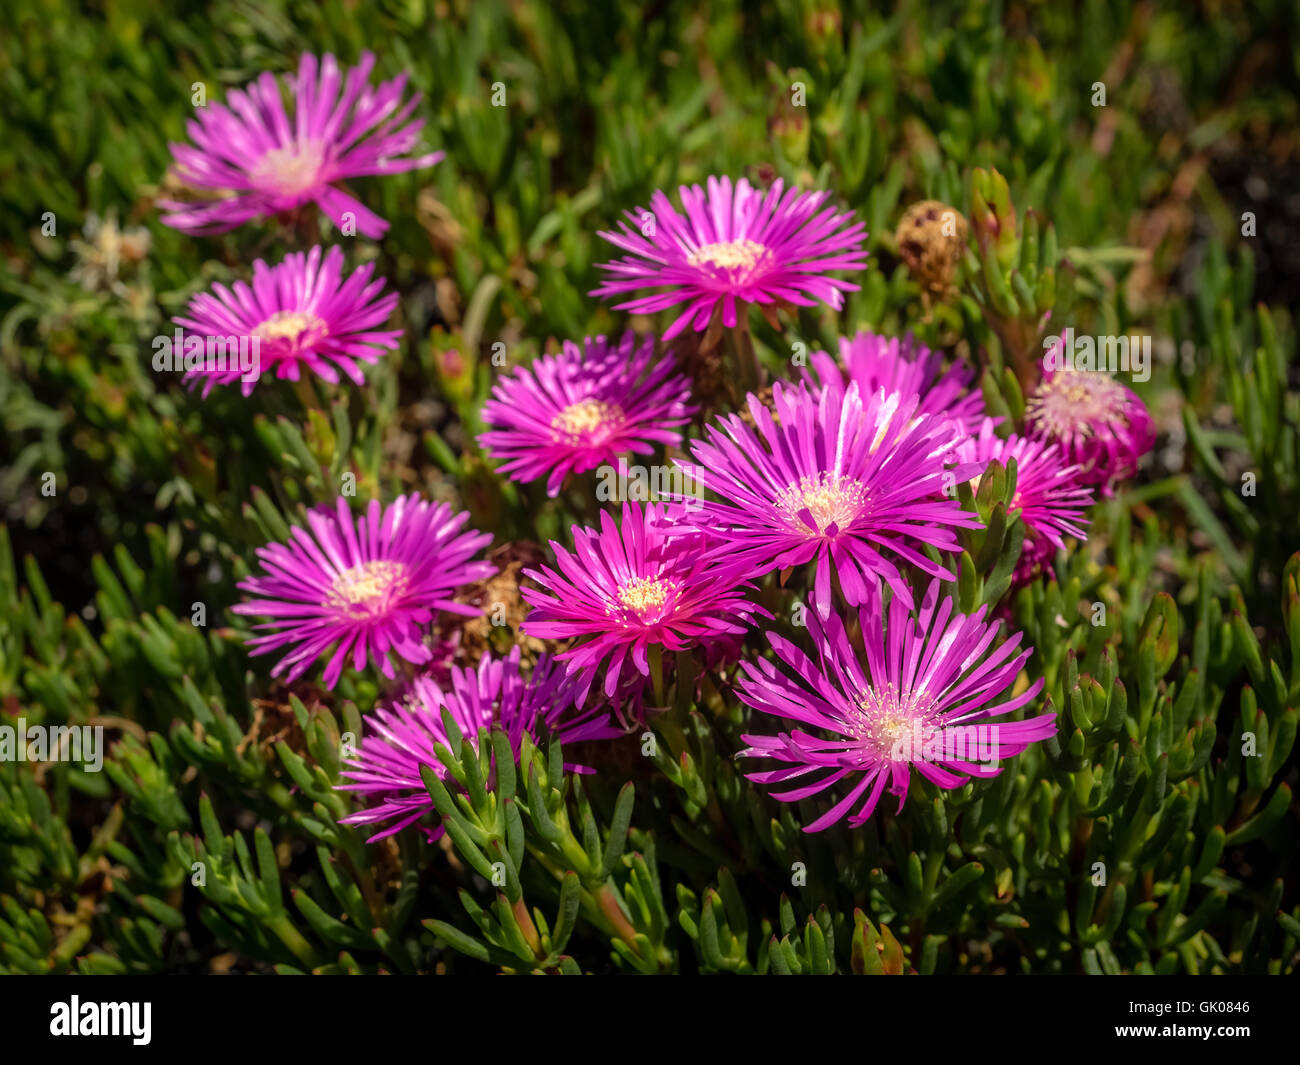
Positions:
(262, 159)
(873, 361)
(924, 700)
(857, 484)
(366, 585)
(387, 765)
(1050, 495)
(306, 318)
(734, 244)
(1098, 423)
(623, 592)
(583, 408)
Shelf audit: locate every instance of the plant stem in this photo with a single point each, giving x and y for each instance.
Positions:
(657, 672)
(741, 347)
(306, 393)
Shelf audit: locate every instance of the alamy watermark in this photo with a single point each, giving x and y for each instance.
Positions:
(189, 354)
(1101, 354)
(956, 743)
(79, 1018)
(53, 743)
(644, 484)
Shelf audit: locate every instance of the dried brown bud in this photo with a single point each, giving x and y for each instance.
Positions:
(503, 608)
(931, 238)
(764, 397)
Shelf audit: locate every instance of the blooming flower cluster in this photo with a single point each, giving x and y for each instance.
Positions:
(261, 159)
(252, 158)
(1098, 424)
(587, 406)
(363, 586)
(901, 365)
(853, 483)
(626, 592)
(734, 244)
(838, 491)
(918, 681)
(306, 318)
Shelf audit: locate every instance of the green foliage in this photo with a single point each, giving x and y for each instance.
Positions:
(212, 839)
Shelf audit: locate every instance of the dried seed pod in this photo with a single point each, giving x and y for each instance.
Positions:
(930, 240)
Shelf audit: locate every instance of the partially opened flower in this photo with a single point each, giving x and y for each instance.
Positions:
(931, 693)
(625, 592)
(306, 319)
(873, 361)
(1050, 497)
(362, 586)
(1098, 423)
(402, 735)
(584, 408)
(734, 244)
(261, 158)
(857, 484)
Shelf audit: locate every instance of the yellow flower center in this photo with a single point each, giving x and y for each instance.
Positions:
(743, 254)
(644, 595)
(290, 325)
(831, 499)
(886, 716)
(1075, 402)
(289, 170)
(361, 589)
(579, 421)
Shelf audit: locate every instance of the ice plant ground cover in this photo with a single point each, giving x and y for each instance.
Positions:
(660, 535)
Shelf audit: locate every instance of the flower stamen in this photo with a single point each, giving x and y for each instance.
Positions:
(367, 588)
(580, 422)
(290, 170)
(645, 597)
(830, 498)
(1073, 402)
(886, 715)
(291, 325)
(743, 255)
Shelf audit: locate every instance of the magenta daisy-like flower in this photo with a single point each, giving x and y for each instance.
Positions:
(927, 696)
(305, 318)
(1050, 495)
(386, 767)
(855, 484)
(873, 362)
(583, 408)
(363, 586)
(734, 244)
(263, 159)
(623, 591)
(1098, 423)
